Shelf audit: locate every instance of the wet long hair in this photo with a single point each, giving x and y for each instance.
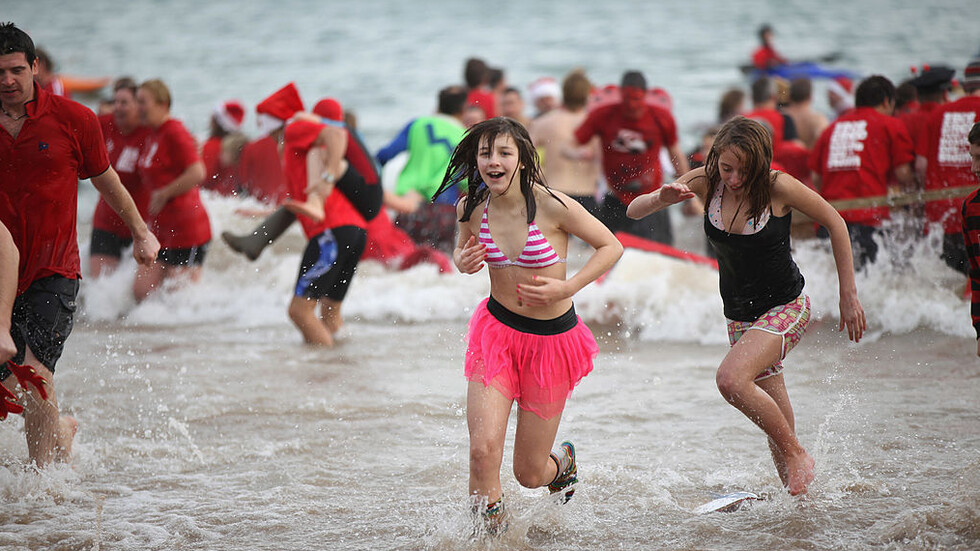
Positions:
(751, 142)
(463, 165)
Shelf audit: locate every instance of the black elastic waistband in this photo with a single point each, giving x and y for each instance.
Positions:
(555, 326)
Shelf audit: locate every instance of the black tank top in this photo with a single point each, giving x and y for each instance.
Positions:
(756, 271)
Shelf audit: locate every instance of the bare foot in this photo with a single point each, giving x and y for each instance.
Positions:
(779, 461)
(799, 470)
(68, 428)
(304, 209)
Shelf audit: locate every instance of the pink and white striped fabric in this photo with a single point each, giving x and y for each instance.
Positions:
(537, 252)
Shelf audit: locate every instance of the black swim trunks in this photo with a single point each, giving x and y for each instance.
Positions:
(194, 256)
(43, 317)
(329, 263)
(108, 244)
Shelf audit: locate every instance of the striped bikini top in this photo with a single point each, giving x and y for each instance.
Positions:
(537, 252)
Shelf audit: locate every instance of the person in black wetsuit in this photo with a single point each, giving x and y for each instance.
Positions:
(747, 221)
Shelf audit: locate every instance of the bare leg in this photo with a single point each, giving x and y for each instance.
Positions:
(312, 208)
(776, 388)
(487, 411)
(183, 274)
(533, 466)
(302, 311)
(148, 278)
(330, 315)
(735, 378)
(49, 434)
(102, 264)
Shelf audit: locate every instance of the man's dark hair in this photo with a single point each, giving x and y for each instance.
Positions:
(475, 72)
(452, 99)
(974, 136)
(905, 93)
(634, 79)
(763, 90)
(763, 30)
(13, 40)
(494, 76)
(800, 90)
(873, 91)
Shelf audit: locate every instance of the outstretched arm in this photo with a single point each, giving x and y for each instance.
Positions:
(692, 184)
(792, 193)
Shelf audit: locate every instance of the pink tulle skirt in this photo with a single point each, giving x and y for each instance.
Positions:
(537, 370)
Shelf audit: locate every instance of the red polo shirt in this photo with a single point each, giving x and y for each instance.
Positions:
(59, 143)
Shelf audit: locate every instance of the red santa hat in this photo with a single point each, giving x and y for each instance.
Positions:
(842, 87)
(230, 115)
(276, 109)
(329, 108)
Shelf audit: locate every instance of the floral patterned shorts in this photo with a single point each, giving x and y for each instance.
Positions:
(789, 321)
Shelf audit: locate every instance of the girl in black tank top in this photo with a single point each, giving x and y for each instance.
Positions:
(748, 224)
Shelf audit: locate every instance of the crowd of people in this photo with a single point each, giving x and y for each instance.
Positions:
(590, 162)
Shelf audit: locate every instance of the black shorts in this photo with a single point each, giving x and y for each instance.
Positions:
(329, 263)
(42, 319)
(655, 227)
(954, 253)
(107, 243)
(864, 247)
(193, 256)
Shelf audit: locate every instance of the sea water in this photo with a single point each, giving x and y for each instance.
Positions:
(205, 423)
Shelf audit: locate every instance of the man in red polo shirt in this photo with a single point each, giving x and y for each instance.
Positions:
(335, 243)
(854, 157)
(46, 145)
(947, 163)
(632, 132)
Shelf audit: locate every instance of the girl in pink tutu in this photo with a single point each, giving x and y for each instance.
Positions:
(747, 221)
(525, 341)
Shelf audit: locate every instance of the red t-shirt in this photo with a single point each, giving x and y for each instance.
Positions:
(947, 153)
(124, 152)
(854, 157)
(630, 147)
(774, 119)
(484, 99)
(169, 150)
(300, 136)
(261, 172)
(59, 143)
(915, 123)
(223, 179)
(766, 57)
